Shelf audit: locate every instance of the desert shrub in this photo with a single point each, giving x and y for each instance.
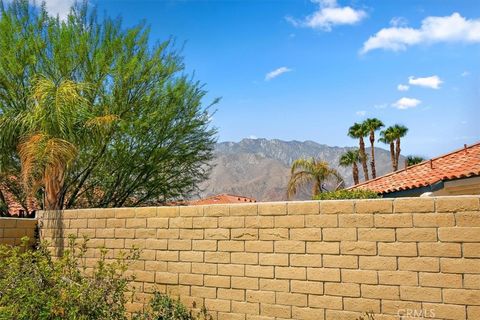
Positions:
(36, 286)
(33, 285)
(163, 307)
(347, 194)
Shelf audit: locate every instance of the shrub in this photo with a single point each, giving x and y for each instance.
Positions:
(162, 307)
(347, 194)
(33, 285)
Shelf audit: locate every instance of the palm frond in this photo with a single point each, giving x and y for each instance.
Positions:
(297, 180)
(29, 151)
(305, 164)
(305, 171)
(39, 153)
(373, 124)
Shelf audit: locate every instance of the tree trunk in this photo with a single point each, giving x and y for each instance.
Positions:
(392, 156)
(372, 159)
(397, 153)
(363, 158)
(355, 173)
(316, 188)
(54, 178)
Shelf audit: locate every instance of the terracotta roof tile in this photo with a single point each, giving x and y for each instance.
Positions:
(222, 199)
(462, 163)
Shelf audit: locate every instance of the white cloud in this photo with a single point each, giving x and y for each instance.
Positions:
(454, 28)
(361, 113)
(328, 15)
(275, 73)
(406, 103)
(403, 87)
(56, 7)
(433, 82)
(59, 7)
(398, 22)
(465, 73)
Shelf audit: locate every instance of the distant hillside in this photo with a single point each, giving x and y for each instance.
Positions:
(260, 168)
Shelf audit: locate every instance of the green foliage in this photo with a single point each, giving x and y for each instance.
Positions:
(357, 130)
(349, 158)
(34, 286)
(347, 194)
(372, 124)
(312, 171)
(162, 307)
(412, 160)
(160, 141)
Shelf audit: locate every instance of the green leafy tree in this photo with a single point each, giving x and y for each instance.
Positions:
(413, 160)
(359, 131)
(351, 158)
(372, 125)
(131, 129)
(52, 128)
(314, 172)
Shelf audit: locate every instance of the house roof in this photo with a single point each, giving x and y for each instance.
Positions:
(462, 163)
(222, 199)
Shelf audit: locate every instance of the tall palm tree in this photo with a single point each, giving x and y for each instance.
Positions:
(316, 172)
(387, 137)
(56, 120)
(372, 125)
(399, 132)
(351, 158)
(358, 131)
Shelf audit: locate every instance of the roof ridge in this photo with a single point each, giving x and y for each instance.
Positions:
(465, 147)
(225, 194)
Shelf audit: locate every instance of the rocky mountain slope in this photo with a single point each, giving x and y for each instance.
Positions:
(260, 168)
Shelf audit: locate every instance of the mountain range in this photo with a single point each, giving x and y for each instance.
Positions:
(260, 168)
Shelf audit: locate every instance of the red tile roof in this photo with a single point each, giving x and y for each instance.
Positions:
(222, 199)
(462, 163)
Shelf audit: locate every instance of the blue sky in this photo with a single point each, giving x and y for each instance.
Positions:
(307, 70)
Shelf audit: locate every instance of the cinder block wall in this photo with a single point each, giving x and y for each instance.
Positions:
(302, 260)
(12, 230)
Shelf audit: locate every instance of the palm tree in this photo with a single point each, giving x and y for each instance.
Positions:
(48, 132)
(358, 131)
(413, 160)
(351, 158)
(387, 137)
(372, 125)
(399, 132)
(316, 172)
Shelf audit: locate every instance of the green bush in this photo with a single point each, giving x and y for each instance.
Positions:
(347, 194)
(33, 285)
(162, 307)
(36, 286)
